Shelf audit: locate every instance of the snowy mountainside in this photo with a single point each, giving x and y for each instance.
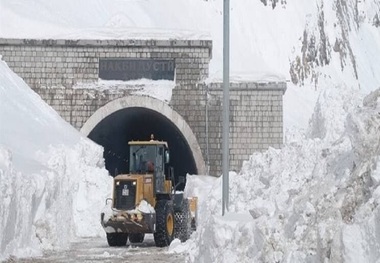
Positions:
(302, 41)
(336, 36)
(317, 44)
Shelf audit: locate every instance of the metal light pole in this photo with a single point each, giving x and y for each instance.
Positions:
(226, 103)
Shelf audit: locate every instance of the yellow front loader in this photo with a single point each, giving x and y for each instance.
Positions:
(145, 200)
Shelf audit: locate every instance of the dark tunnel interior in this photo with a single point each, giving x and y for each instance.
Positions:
(116, 130)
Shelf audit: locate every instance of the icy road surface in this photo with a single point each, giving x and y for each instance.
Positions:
(97, 250)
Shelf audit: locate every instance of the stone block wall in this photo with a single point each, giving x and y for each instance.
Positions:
(76, 106)
(256, 119)
(64, 63)
(53, 67)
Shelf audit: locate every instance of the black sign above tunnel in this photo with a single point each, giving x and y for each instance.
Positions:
(131, 69)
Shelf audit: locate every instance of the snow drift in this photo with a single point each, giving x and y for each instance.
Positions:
(315, 200)
(53, 180)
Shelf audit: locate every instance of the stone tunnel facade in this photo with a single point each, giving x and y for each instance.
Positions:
(54, 68)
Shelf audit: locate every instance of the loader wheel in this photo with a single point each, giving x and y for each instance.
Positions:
(182, 225)
(164, 223)
(136, 238)
(117, 239)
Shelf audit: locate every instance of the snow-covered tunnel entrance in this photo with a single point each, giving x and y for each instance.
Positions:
(136, 118)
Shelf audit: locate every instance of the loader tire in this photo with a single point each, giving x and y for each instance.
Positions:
(136, 237)
(164, 223)
(182, 225)
(117, 239)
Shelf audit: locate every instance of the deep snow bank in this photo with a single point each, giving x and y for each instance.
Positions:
(52, 180)
(315, 200)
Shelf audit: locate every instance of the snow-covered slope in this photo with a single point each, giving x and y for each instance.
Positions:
(316, 44)
(298, 36)
(52, 180)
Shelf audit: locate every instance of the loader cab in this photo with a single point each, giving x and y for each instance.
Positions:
(142, 159)
(150, 157)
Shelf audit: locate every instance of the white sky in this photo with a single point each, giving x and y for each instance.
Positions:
(316, 199)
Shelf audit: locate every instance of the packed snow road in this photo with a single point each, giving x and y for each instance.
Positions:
(97, 250)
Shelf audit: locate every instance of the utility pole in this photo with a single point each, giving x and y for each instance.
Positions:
(226, 104)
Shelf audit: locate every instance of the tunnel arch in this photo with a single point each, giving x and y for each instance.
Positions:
(135, 118)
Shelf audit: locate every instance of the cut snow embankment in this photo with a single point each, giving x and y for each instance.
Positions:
(52, 180)
(315, 200)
